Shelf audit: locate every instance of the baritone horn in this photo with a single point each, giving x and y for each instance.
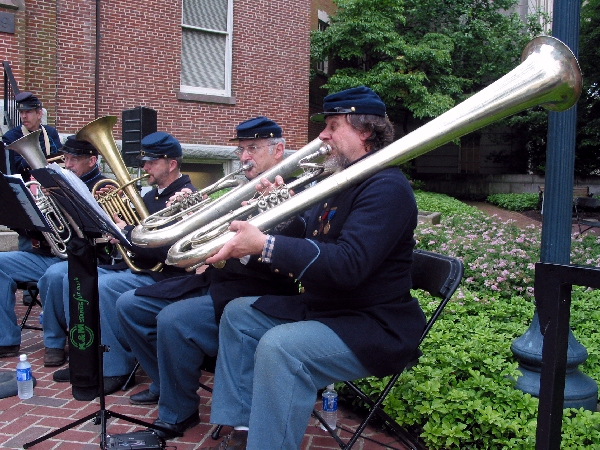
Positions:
(131, 207)
(29, 148)
(150, 236)
(548, 75)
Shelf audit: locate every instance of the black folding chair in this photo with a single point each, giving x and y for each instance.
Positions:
(440, 276)
(581, 205)
(32, 288)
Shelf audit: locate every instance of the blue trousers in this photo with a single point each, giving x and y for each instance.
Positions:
(17, 267)
(111, 284)
(169, 339)
(268, 373)
(54, 290)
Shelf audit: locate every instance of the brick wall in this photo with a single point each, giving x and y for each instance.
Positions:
(140, 66)
(53, 54)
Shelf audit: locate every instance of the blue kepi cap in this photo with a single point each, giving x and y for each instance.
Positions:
(358, 100)
(258, 128)
(160, 145)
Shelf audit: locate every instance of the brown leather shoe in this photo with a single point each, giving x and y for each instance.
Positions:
(54, 357)
(7, 351)
(236, 440)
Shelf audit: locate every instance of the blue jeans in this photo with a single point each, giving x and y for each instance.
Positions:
(111, 284)
(268, 373)
(56, 310)
(170, 338)
(17, 267)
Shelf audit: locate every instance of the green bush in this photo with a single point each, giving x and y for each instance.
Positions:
(461, 395)
(515, 202)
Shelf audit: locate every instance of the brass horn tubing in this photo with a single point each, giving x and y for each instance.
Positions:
(548, 76)
(99, 134)
(112, 202)
(220, 206)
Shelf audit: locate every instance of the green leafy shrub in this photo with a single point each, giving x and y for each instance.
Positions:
(461, 395)
(515, 202)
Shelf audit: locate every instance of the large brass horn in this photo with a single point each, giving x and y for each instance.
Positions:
(99, 134)
(29, 148)
(146, 237)
(548, 76)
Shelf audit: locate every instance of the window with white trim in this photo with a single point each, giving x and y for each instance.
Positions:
(206, 47)
(323, 66)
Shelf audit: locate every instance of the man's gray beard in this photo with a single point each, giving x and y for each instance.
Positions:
(335, 163)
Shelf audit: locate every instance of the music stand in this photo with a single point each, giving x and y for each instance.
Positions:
(84, 326)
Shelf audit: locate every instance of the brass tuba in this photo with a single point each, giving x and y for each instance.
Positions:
(29, 148)
(548, 75)
(132, 207)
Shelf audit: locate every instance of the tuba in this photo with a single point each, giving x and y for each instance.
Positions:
(132, 207)
(29, 148)
(223, 205)
(548, 76)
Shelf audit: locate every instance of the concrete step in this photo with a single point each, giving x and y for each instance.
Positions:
(8, 240)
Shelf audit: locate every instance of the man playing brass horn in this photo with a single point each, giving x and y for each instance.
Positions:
(355, 317)
(172, 326)
(30, 113)
(81, 158)
(161, 154)
(34, 264)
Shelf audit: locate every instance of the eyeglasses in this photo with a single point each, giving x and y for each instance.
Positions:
(251, 149)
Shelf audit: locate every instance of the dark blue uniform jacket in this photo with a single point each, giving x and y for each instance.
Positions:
(146, 258)
(354, 268)
(17, 162)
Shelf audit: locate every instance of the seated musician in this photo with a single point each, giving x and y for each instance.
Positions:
(32, 265)
(172, 326)
(81, 158)
(162, 156)
(355, 317)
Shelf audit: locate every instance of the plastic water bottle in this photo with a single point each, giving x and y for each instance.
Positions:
(329, 411)
(42, 324)
(24, 379)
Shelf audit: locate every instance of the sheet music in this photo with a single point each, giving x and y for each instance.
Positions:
(90, 205)
(26, 201)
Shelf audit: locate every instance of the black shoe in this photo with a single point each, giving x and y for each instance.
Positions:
(62, 375)
(235, 441)
(176, 429)
(27, 300)
(54, 357)
(7, 351)
(113, 384)
(145, 397)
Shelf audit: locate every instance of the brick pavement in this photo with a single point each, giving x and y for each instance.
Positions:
(53, 407)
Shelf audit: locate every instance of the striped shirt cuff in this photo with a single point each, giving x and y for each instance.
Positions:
(267, 252)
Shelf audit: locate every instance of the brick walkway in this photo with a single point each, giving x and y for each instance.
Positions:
(53, 407)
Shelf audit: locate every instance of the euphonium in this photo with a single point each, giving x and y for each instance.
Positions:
(191, 203)
(29, 148)
(221, 206)
(548, 76)
(99, 134)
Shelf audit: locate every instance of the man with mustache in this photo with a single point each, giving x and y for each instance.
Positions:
(355, 316)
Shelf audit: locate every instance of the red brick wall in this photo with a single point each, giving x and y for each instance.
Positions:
(140, 66)
(31, 51)
(40, 53)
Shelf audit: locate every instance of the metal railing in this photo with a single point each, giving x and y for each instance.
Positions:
(11, 114)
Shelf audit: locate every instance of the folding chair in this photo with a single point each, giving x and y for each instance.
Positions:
(440, 276)
(32, 288)
(586, 204)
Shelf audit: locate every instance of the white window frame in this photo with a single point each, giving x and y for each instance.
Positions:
(226, 92)
(323, 66)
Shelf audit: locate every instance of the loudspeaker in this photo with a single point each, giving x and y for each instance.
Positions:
(136, 123)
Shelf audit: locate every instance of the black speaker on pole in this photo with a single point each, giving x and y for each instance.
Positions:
(136, 123)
